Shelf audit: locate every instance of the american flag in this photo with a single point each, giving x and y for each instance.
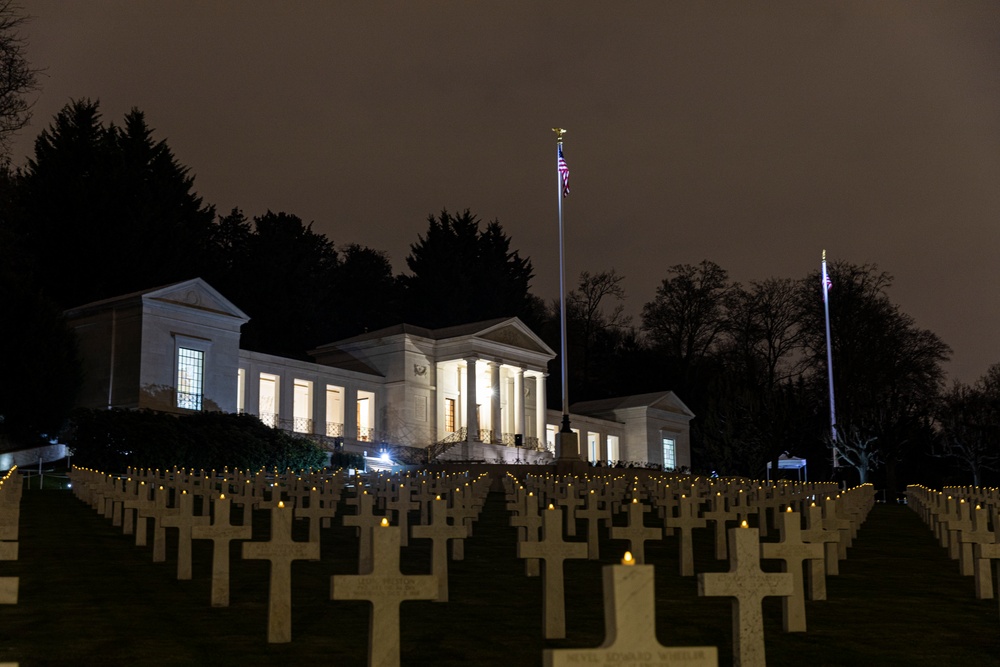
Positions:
(564, 172)
(827, 283)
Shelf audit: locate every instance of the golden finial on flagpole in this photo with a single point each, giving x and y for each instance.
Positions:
(559, 134)
(824, 254)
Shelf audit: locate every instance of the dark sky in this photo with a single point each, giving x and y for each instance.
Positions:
(753, 136)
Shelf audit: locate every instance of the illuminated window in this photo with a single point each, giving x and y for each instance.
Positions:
(267, 404)
(334, 411)
(449, 415)
(241, 391)
(669, 453)
(190, 378)
(613, 449)
(302, 406)
(366, 416)
(550, 437)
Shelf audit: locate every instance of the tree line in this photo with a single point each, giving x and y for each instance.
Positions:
(104, 209)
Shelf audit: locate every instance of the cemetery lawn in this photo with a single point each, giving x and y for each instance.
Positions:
(89, 596)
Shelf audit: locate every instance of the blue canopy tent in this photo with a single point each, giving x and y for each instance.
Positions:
(788, 462)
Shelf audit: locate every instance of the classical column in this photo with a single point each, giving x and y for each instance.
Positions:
(251, 390)
(471, 416)
(319, 417)
(495, 424)
(540, 409)
(286, 399)
(351, 413)
(518, 410)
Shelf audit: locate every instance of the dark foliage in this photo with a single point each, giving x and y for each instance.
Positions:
(113, 440)
(17, 77)
(462, 274)
(40, 367)
(107, 210)
(297, 288)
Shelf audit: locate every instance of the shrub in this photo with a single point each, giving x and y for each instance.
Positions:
(112, 440)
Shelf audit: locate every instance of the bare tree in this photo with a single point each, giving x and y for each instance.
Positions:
(687, 318)
(17, 77)
(764, 336)
(858, 449)
(969, 423)
(887, 371)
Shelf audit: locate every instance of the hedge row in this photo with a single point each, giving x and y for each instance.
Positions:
(113, 440)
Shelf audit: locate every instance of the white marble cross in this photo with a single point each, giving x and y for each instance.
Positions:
(9, 551)
(552, 551)
(281, 551)
(315, 512)
(184, 520)
(401, 504)
(529, 524)
(718, 515)
(635, 532)
(440, 531)
(365, 520)
(630, 628)
(386, 588)
(748, 586)
(569, 502)
(792, 551)
(594, 514)
(816, 534)
(141, 503)
(221, 532)
(687, 519)
(983, 555)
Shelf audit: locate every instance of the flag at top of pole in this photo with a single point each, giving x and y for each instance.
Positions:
(562, 183)
(827, 283)
(825, 286)
(563, 171)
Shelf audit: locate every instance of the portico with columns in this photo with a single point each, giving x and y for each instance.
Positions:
(489, 400)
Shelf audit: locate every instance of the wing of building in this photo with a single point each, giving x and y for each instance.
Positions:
(469, 392)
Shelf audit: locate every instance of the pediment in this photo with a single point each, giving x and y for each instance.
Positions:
(514, 337)
(196, 294)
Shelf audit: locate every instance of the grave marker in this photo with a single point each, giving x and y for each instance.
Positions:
(552, 550)
(385, 588)
(792, 551)
(440, 531)
(184, 520)
(748, 586)
(816, 534)
(365, 520)
(529, 523)
(281, 551)
(630, 628)
(221, 532)
(687, 520)
(635, 532)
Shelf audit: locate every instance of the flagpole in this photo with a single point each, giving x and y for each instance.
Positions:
(829, 359)
(561, 191)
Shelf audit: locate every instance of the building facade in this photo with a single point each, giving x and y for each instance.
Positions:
(474, 391)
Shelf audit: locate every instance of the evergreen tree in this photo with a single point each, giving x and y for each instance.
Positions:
(281, 273)
(461, 273)
(108, 210)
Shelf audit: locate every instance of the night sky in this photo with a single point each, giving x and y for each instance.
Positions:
(750, 136)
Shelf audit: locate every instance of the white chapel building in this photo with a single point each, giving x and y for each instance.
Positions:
(468, 392)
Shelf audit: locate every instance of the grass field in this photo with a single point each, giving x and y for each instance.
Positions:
(88, 596)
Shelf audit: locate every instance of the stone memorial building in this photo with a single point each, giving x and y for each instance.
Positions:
(473, 392)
